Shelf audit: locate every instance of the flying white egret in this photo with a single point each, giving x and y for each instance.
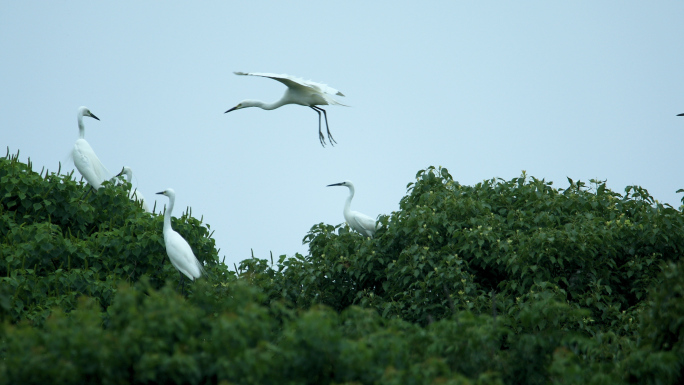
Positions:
(135, 195)
(299, 91)
(85, 160)
(177, 248)
(362, 223)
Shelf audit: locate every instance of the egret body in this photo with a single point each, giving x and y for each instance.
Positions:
(85, 160)
(362, 223)
(135, 195)
(299, 91)
(177, 248)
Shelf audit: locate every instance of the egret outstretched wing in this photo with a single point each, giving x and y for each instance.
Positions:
(295, 82)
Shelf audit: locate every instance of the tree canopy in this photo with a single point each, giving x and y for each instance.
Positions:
(504, 282)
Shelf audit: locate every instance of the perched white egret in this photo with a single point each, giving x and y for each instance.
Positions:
(362, 223)
(299, 91)
(177, 248)
(135, 195)
(85, 160)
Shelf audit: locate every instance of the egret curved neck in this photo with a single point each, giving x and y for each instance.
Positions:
(274, 105)
(167, 213)
(285, 99)
(347, 204)
(81, 128)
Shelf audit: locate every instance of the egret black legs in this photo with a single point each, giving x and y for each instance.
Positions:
(181, 283)
(88, 192)
(320, 133)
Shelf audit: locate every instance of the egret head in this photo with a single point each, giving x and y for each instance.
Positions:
(126, 171)
(168, 192)
(84, 111)
(245, 104)
(345, 183)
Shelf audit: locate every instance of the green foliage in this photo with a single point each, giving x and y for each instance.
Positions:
(58, 241)
(452, 248)
(504, 282)
(500, 248)
(155, 336)
(660, 358)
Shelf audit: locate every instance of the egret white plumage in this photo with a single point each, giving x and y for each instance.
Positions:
(299, 91)
(177, 248)
(362, 223)
(135, 195)
(85, 160)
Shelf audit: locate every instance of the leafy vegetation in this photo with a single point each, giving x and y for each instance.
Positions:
(504, 282)
(60, 241)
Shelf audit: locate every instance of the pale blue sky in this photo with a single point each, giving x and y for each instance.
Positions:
(579, 89)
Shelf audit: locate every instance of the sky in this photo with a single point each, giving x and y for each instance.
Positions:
(580, 89)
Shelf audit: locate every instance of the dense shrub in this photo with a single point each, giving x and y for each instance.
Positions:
(454, 247)
(61, 240)
(504, 282)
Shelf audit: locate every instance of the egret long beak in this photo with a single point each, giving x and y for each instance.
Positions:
(161, 193)
(232, 109)
(335, 184)
(680, 115)
(121, 173)
(93, 116)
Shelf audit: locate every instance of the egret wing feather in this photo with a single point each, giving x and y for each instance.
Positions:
(363, 223)
(88, 164)
(295, 82)
(181, 255)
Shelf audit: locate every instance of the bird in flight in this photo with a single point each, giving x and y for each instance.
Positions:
(299, 91)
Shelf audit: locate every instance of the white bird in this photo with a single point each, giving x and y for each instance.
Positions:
(135, 195)
(85, 160)
(177, 248)
(362, 223)
(299, 91)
